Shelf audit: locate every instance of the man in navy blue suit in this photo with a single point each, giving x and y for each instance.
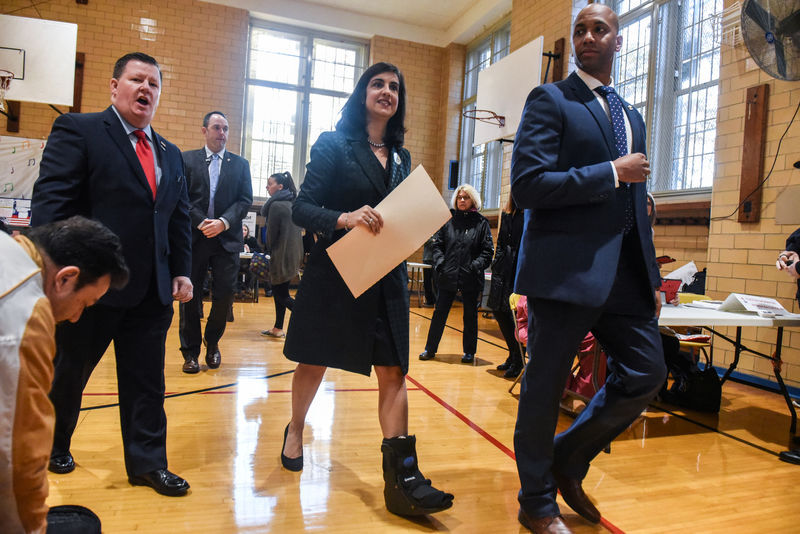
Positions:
(113, 167)
(586, 262)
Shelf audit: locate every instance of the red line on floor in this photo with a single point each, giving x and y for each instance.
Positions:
(491, 439)
(346, 390)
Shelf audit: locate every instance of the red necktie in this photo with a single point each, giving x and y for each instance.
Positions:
(145, 156)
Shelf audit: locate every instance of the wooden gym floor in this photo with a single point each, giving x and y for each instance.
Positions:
(672, 471)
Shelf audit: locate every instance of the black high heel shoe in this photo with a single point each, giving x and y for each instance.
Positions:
(292, 464)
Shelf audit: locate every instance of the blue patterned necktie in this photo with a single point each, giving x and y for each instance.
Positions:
(213, 180)
(620, 141)
(617, 117)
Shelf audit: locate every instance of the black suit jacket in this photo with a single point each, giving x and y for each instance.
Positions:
(89, 167)
(232, 200)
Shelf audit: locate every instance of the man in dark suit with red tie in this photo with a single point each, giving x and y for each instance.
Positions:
(220, 193)
(113, 167)
(587, 263)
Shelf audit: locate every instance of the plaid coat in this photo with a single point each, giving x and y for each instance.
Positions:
(328, 326)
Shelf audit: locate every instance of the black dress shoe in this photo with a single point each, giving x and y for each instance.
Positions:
(572, 492)
(427, 355)
(292, 464)
(61, 464)
(213, 357)
(505, 365)
(553, 524)
(468, 358)
(162, 481)
(513, 371)
(191, 366)
(792, 456)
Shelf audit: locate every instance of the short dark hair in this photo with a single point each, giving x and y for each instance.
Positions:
(354, 113)
(119, 66)
(88, 245)
(285, 179)
(208, 117)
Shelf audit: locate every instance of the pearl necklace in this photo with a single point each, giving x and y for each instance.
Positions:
(376, 145)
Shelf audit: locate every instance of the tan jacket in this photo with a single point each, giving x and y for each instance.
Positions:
(27, 348)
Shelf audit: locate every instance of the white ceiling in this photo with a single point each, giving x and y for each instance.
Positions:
(434, 22)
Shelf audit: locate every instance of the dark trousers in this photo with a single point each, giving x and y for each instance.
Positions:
(283, 302)
(444, 301)
(429, 285)
(636, 371)
(224, 270)
(505, 320)
(139, 334)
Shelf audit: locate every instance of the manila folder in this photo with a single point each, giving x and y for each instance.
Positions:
(411, 213)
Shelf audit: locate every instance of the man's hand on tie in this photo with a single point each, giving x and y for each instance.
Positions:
(632, 168)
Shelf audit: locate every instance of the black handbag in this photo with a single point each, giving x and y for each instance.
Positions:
(698, 389)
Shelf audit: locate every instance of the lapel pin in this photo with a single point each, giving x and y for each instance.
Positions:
(630, 107)
(163, 146)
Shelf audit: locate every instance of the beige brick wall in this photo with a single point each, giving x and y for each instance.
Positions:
(422, 67)
(741, 257)
(430, 74)
(684, 243)
(201, 48)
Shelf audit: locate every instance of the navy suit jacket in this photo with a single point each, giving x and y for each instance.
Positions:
(232, 199)
(562, 176)
(90, 168)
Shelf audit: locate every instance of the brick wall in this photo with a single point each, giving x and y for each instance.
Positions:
(201, 48)
(741, 257)
(684, 243)
(426, 70)
(421, 66)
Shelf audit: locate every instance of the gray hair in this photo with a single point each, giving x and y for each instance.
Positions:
(471, 191)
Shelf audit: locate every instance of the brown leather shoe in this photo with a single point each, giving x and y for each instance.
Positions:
(552, 524)
(190, 366)
(213, 357)
(572, 492)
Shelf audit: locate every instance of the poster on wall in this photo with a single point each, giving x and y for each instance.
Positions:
(19, 168)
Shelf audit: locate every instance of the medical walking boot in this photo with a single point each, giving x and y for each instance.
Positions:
(407, 492)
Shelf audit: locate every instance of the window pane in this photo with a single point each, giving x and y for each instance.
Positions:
(275, 56)
(272, 125)
(481, 166)
(633, 60)
(323, 113)
(623, 6)
(335, 66)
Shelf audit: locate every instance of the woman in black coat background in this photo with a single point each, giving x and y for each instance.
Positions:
(504, 269)
(351, 170)
(462, 249)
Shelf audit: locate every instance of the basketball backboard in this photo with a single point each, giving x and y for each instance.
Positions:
(504, 87)
(41, 54)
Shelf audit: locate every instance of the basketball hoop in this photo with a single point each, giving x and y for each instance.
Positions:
(5, 82)
(485, 115)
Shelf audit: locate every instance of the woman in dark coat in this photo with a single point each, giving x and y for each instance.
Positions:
(351, 170)
(504, 269)
(285, 242)
(462, 250)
